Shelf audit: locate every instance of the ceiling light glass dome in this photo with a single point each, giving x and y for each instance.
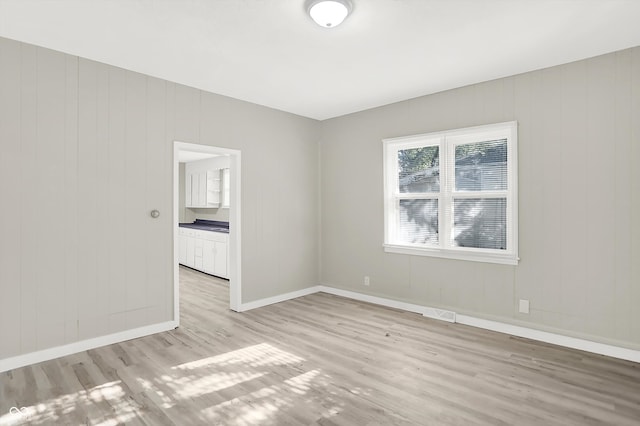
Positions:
(329, 13)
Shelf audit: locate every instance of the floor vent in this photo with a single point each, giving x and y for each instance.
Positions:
(440, 314)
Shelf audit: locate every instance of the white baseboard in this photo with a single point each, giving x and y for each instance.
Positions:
(373, 299)
(277, 299)
(83, 345)
(553, 338)
(529, 333)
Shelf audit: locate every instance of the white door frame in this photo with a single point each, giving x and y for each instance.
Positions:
(235, 282)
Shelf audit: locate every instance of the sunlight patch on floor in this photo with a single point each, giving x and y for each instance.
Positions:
(301, 384)
(248, 409)
(256, 356)
(228, 386)
(189, 388)
(54, 409)
(267, 404)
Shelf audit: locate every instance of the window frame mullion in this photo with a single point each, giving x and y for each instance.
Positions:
(445, 211)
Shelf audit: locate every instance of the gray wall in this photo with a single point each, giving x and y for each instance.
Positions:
(87, 153)
(579, 201)
(208, 214)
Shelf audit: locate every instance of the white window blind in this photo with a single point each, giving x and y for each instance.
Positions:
(453, 194)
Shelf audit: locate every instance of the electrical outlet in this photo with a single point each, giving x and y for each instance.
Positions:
(366, 280)
(524, 306)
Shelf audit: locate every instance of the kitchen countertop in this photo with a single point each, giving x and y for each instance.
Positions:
(207, 225)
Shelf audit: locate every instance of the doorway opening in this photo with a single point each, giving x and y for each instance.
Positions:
(193, 152)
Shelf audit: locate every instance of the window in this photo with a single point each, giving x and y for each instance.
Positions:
(453, 194)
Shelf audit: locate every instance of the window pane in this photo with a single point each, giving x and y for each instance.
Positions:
(481, 166)
(480, 223)
(419, 222)
(419, 169)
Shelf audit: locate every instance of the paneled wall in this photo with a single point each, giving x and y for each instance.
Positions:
(579, 201)
(87, 153)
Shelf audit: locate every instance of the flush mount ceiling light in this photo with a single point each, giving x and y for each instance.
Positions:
(328, 13)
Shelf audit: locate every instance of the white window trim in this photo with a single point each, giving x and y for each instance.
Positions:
(447, 140)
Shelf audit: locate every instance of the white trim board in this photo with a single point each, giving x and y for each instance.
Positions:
(409, 307)
(500, 327)
(553, 338)
(83, 345)
(277, 299)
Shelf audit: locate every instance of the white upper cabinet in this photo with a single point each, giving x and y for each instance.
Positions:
(226, 187)
(202, 187)
(206, 183)
(188, 185)
(213, 187)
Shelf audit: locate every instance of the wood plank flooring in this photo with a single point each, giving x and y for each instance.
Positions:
(320, 360)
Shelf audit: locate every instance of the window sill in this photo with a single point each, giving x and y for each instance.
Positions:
(485, 257)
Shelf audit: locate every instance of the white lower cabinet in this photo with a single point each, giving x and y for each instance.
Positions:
(197, 262)
(182, 249)
(215, 258)
(208, 261)
(191, 251)
(187, 247)
(205, 251)
(220, 259)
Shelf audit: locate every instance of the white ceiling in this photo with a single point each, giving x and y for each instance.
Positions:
(270, 52)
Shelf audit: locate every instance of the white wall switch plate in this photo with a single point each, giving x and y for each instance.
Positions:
(524, 306)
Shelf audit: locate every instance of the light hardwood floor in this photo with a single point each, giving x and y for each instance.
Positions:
(321, 360)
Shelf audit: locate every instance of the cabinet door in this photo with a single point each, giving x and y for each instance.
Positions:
(208, 254)
(191, 252)
(195, 187)
(198, 189)
(182, 250)
(187, 190)
(220, 259)
(202, 189)
(199, 245)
